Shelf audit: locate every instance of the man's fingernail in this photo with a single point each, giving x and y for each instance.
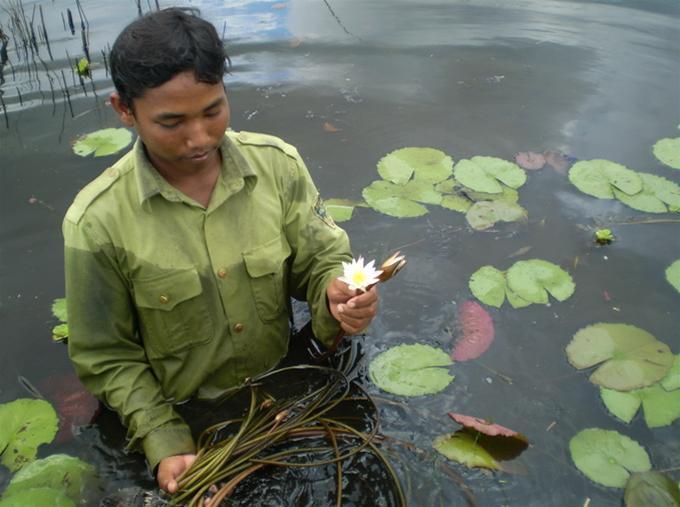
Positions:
(351, 304)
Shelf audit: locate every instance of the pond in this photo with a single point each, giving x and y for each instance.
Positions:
(347, 83)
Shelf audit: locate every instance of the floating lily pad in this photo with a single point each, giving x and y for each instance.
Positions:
(103, 142)
(24, 425)
(447, 186)
(59, 309)
(38, 497)
(421, 164)
(533, 279)
(486, 427)
(661, 407)
(485, 214)
(632, 358)
(515, 300)
(59, 471)
(623, 405)
(401, 200)
(649, 489)
(411, 370)
(60, 332)
(599, 177)
(341, 210)
(671, 381)
(507, 194)
(485, 174)
(667, 151)
(656, 194)
(607, 457)
(456, 202)
(488, 285)
(464, 448)
(477, 332)
(673, 275)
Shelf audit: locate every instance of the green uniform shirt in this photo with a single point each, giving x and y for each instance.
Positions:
(168, 299)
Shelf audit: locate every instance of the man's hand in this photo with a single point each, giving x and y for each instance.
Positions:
(170, 468)
(353, 312)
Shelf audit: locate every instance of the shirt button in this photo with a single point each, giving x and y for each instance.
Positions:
(164, 299)
(239, 327)
(221, 272)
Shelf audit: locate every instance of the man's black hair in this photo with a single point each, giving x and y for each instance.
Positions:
(156, 47)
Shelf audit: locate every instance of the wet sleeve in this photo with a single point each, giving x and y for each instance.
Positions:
(105, 347)
(319, 248)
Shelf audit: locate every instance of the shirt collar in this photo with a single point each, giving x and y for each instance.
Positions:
(235, 173)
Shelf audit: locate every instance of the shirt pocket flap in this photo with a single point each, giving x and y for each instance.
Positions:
(265, 259)
(164, 292)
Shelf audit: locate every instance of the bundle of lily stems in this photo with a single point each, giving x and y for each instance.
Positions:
(285, 432)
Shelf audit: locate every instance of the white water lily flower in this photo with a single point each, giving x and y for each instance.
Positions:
(360, 276)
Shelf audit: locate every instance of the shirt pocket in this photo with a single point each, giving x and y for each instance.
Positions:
(265, 267)
(173, 315)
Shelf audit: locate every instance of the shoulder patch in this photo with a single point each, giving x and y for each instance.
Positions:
(320, 211)
(93, 190)
(257, 139)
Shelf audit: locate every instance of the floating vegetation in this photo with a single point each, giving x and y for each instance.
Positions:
(673, 274)
(418, 164)
(297, 431)
(477, 332)
(83, 67)
(660, 407)
(631, 357)
(24, 425)
(524, 283)
(485, 214)
(341, 210)
(608, 457)
(488, 174)
(102, 142)
(401, 200)
(667, 151)
(60, 331)
(604, 236)
(411, 370)
(651, 489)
(530, 160)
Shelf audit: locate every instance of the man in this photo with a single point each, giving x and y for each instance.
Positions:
(181, 258)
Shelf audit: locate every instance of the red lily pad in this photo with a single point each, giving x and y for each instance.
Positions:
(477, 332)
(558, 160)
(74, 404)
(486, 427)
(530, 160)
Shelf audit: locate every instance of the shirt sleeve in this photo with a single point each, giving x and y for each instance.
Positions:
(319, 248)
(105, 347)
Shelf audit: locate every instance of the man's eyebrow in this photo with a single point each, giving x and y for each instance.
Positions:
(175, 116)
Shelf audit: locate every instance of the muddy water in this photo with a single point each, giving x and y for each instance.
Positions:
(592, 79)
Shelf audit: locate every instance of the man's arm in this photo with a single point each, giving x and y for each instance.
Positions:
(106, 349)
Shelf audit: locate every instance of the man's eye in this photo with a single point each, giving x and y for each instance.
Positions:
(211, 114)
(169, 125)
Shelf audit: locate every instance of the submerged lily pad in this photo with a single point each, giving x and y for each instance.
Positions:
(632, 358)
(411, 370)
(607, 457)
(488, 285)
(58, 471)
(667, 151)
(477, 332)
(401, 200)
(533, 279)
(421, 164)
(673, 275)
(649, 489)
(24, 425)
(485, 174)
(38, 497)
(485, 214)
(600, 177)
(103, 142)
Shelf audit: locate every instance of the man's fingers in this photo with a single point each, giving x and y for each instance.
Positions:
(172, 486)
(367, 312)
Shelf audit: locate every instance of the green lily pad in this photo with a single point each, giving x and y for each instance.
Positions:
(599, 177)
(607, 457)
(58, 471)
(401, 200)
(488, 285)
(456, 202)
(673, 275)
(485, 214)
(507, 194)
(421, 164)
(447, 186)
(632, 358)
(60, 332)
(661, 407)
(485, 174)
(411, 370)
(514, 300)
(623, 405)
(24, 425)
(59, 309)
(649, 489)
(533, 279)
(103, 142)
(463, 447)
(656, 194)
(39, 497)
(671, 381)
(667, 151)
(341, 210)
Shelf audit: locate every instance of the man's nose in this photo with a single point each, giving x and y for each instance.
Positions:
(197, 135)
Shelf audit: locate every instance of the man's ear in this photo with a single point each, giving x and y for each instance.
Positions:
(124, 112)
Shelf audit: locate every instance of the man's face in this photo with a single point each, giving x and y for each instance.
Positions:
(181, 123)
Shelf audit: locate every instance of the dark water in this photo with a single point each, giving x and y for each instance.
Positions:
(592, 79)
